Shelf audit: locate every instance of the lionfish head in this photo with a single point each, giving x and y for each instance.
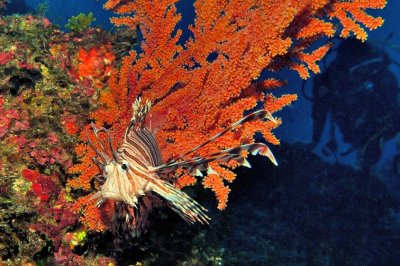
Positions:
(115, 173)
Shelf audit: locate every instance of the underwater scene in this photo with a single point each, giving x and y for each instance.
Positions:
(199, 132)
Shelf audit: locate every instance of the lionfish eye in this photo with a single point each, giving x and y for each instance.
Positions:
(124, 166)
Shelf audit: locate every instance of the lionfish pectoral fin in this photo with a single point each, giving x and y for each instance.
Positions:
(211, 171)
(198, 173)
(262, 149)
(260, 114)
(198, 164)
(246, 163)
(186, 207)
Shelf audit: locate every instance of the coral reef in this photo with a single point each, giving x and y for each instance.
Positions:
(44, 100)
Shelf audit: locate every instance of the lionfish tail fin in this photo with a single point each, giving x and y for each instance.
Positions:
(189, 209)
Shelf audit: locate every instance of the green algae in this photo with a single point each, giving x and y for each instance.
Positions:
(80, 23)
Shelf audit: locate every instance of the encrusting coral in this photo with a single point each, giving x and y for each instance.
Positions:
(200, 85)
(44, 101)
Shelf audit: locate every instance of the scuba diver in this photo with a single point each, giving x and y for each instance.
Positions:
(356, 105)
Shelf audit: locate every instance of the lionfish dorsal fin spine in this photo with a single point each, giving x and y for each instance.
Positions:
(139, 114)
(143, 144)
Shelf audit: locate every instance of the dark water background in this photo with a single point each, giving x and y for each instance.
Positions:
(325, 204)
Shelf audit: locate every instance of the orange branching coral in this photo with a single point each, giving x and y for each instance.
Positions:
(93, 218)
(349, 13)
(201, 87)
(216, 184)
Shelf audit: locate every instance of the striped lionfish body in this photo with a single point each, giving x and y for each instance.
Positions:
(136, 168)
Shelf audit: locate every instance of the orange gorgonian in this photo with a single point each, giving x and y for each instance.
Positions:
(200, 86)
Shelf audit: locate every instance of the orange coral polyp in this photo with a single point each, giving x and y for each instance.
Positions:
(194, 97)
(95, 62)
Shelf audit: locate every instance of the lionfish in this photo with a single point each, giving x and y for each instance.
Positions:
(134, 176)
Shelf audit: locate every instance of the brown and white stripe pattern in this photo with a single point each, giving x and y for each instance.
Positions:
(131, 177)
(136, 167)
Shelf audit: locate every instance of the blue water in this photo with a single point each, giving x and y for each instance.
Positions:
(59, 11)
